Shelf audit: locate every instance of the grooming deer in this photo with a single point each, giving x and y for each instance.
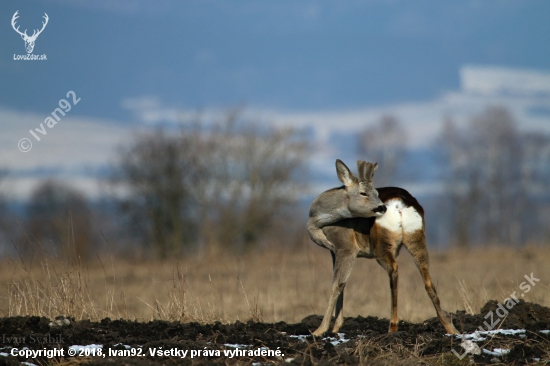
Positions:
(354, 199)
(379, 235)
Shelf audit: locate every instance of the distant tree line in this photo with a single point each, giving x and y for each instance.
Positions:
(236, 185)
(223, 185)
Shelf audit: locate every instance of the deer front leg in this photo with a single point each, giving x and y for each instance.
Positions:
(343, 264)
(389, 263)
(318, 236)
(339, 312)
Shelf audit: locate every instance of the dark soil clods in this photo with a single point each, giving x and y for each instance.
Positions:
(365, 340)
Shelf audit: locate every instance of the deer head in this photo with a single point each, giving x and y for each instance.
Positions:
(29, 41)
(362, 197)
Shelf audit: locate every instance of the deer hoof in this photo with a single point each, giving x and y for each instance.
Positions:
(318, 333)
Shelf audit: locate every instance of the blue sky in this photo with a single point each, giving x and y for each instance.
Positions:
(333, 66)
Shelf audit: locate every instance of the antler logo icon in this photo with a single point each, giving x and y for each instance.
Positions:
(29, 41)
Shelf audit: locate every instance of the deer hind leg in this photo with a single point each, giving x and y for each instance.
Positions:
(389, 263)
(342, 265)
(416, 245)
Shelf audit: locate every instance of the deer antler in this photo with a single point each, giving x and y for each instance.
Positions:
(34, 34)
(13, 19)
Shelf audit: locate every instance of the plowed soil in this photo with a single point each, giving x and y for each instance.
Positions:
(363, 340)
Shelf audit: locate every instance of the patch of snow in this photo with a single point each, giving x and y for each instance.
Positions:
(4, 354)
(470, 347)
(237, 345)
(123, 345)
(498, 352)
(335, 341)
(28, 364)
(477, 335)
(545, 331)
(300, 337)
(60, 322)
(79, 348)
(506, 331)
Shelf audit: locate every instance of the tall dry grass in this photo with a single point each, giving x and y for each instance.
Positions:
(271, 285)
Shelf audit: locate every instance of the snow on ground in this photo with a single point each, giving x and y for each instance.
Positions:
(335, 341)
(477, 336)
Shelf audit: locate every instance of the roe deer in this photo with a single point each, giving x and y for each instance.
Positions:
(356, 198)
(380, 238)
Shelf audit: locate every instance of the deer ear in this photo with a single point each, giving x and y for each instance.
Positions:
(344, 173)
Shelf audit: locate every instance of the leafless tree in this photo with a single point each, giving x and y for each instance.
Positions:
(154, 170)
(492, 175)
(259, 173)
(221, 184)
(384, 143)
(59, 220)
(4, 226)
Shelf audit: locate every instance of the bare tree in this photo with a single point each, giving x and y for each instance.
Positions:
(221, 184)
(492, 173)
(260, 173)
(154, 169)
(3, 175)
(384, 143)
(59, 219)
(5, 230)
(462, 183)
(536, 178)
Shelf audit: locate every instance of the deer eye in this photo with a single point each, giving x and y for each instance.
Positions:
(364, 194)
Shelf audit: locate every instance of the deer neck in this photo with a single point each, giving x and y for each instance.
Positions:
(330, 207)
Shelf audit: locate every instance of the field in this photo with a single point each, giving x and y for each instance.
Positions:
(262, 298)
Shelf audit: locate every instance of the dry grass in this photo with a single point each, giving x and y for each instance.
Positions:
(281, 284)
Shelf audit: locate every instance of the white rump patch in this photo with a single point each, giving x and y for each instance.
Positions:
(412, 221)
(391, 220)
(400, 217)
